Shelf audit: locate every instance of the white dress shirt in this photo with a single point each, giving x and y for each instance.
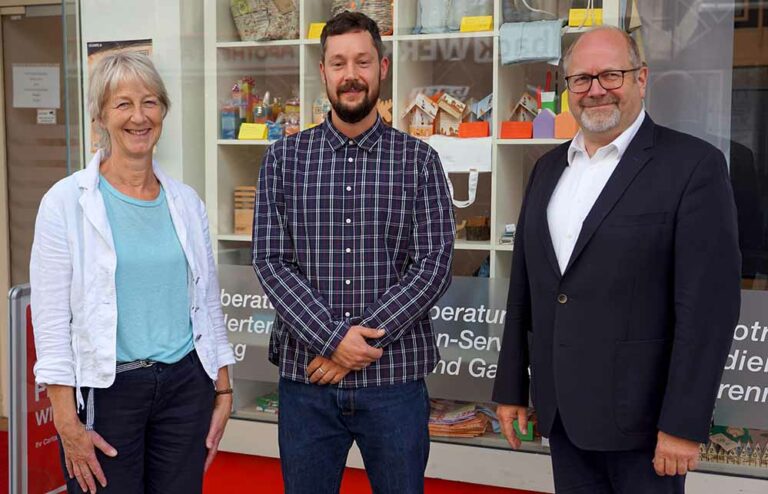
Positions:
(580, 185)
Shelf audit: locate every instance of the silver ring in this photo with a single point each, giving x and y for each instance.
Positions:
(322, 371)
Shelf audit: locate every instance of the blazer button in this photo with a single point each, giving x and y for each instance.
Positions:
(562, 298)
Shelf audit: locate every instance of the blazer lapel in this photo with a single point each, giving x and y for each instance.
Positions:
(548, 184)
(635, 158)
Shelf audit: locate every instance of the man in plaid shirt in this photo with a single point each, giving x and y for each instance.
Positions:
(353, 240)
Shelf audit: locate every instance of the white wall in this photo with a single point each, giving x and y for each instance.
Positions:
(177, 50)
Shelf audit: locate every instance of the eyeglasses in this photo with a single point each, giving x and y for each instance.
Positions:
(610, 79)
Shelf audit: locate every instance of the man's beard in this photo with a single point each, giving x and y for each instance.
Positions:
(361, 110)
(599, 122)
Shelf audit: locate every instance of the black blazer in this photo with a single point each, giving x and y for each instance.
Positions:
(633, 336)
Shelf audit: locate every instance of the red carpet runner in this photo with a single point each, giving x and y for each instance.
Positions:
(233, 473)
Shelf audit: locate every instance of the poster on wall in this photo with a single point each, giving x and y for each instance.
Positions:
(99, 49)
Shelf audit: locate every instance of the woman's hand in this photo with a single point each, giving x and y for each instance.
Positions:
(78, 444)
(80, 455)
(221, 411)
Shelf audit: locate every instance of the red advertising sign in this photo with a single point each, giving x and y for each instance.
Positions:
(44, 472)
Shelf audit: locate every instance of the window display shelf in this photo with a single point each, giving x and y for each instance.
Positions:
(243, 142)
(449, 35)
(531, 142)
(462, 244)
(316, 41)
(258, 44)
(443, 60)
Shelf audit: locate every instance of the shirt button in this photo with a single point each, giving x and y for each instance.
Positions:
(347, 314)
(349, 188)
(348, 220)
(351, 143)
(350, 160)
(347, 282)
(347, 250)
(562, 298)
(569, 236)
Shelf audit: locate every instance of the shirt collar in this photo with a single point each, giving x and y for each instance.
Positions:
(367, 140)
(619, 145)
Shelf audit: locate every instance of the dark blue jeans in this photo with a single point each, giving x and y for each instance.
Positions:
(157, 419)
(318, 424)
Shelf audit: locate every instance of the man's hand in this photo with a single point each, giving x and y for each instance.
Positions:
(507, 415)
(675, 455)
(354, 352)
(325, 371)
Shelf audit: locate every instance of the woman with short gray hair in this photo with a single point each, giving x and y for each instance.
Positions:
(129, 330)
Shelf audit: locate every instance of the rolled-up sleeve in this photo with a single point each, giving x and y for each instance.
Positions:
(50, 273)
(224, 353)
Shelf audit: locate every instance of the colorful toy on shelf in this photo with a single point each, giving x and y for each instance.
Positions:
(253, 131)
(525, 110)
(566, 126)
(544, 124)
(275, 130)
(449, 114)
(474, 129)
(549, 101)
(229, 121)
(516, 130)
(422, 112)
(267, 117)
(520, 123)
(479, 111)
(477, 117)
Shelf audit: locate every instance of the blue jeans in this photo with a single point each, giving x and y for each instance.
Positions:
(157, 419)
(318, 424)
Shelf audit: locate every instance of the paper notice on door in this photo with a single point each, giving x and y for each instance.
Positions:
(46, 116)
(36, 86)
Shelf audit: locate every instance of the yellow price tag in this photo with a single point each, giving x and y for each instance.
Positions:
(315, 30)
(585, 17)
(252, 131)
(477, 23)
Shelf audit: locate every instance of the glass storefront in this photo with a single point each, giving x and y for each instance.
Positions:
(708, 62)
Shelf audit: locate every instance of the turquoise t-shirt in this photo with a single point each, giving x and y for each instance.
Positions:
(153, 320)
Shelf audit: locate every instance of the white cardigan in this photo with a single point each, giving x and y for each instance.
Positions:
(72, 274)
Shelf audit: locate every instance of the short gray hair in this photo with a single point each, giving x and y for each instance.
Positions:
(108, 73)
(632, 49)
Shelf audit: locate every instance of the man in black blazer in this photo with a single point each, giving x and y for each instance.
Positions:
(625, 280)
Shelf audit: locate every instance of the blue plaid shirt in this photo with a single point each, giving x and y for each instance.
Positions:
(353, 232)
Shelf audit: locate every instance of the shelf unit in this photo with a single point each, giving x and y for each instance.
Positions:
(473, 59)
(289, 67)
